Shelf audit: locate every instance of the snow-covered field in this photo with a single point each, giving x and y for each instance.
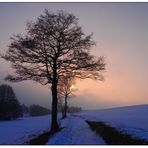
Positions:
(76, 131)
(132, 119)
(21, 130)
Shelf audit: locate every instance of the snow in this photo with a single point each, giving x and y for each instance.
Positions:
(75, 132)
(131, 119)
(21, 130)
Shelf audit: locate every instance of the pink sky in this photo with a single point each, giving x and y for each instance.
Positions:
(121, 33)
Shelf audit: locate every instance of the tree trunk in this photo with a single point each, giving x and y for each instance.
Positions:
(54, 123)
(65, 108)
(63, 113)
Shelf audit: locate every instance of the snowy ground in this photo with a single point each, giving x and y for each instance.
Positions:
(20, 131)
(132, 119)
(23, 129)
(76, 132)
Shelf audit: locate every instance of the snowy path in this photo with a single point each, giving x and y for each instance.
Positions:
(76, 132)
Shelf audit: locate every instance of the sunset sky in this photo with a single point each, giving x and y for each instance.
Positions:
(120, 31)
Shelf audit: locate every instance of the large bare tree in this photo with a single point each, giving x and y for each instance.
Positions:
(54, 45)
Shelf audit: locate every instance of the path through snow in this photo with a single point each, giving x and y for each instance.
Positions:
(76, 132)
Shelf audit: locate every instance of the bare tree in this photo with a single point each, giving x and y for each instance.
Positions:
(54, 45)
(65, 91)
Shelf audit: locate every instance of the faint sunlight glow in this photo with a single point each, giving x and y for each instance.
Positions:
(72, 87)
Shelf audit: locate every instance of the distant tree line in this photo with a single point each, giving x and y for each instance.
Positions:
(70, 109)
(11, 109)
(37, 110)
(73, 109)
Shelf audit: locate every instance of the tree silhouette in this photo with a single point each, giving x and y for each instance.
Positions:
(37, 110)
(53, 46)
(10, 107)
(65, 91)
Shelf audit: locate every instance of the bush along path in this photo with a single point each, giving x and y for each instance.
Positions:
(112, 136)
(42, 139)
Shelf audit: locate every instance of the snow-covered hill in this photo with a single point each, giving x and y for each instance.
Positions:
(132, 119)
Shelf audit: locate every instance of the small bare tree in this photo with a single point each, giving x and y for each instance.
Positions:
(65, 92)
(54, 44)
